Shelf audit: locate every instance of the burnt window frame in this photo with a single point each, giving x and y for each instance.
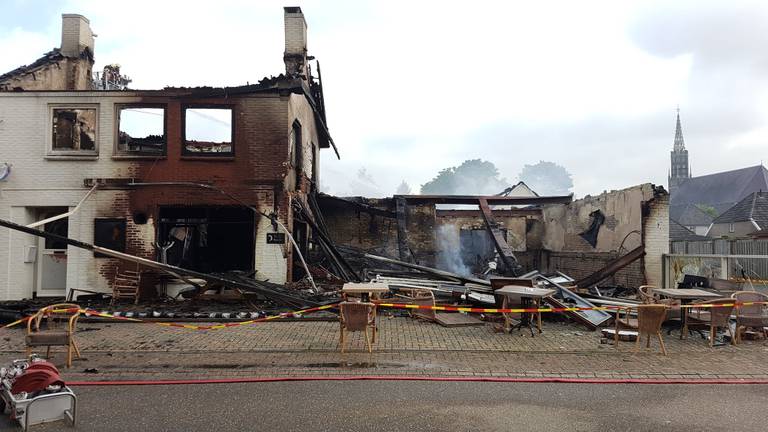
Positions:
(129, 155)
(123, 244)
(215, 155)
(72, 154)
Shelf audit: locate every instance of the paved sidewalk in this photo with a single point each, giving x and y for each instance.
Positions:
(405, 347)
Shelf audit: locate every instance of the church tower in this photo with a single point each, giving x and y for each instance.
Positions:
(679, 169)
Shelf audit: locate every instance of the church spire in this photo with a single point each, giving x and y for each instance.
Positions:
(679, 167)
(679, 142)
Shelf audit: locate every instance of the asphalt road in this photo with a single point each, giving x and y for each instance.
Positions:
(418, 406)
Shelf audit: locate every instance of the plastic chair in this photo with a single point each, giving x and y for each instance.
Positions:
(649, 319)
(750, 315)
(59, 322)
(714, 318)
(357, 316)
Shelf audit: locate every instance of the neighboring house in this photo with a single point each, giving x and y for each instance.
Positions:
(694, 219)
(520, 190)
(145, 150)
(696, 201)
(743, 219)
(678, 232)
(719, 192)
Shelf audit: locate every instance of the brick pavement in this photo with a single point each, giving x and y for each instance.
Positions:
(405, 347)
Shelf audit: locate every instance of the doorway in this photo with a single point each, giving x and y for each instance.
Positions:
(51, 263)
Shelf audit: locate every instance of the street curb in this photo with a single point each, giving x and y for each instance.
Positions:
(417, 378)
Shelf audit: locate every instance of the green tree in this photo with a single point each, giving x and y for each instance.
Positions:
(711, 211)
(472, 177)
(547, 178)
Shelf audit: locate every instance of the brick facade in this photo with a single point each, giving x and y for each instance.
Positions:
(259, 174)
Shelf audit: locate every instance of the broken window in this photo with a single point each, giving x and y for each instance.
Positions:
(74, 129)
(207, 239)
(141, 130)
(208, 131)
(109, 233)
(296, 152)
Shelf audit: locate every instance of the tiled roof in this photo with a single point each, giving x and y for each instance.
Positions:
(689, 214)
(753, 207)
(678, 232)
(721, 190)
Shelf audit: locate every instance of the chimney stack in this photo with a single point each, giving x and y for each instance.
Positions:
(295, 56)
(76, 35)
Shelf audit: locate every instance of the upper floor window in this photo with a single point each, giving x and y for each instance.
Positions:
(296, 147)
(208, 131)
(141, 130)
(731, 228)
(73, 130)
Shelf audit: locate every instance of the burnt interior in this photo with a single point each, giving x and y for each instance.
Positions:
(477, 248)
(74, 129)
(208, 239)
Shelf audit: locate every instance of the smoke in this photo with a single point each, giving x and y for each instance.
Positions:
(449, 251)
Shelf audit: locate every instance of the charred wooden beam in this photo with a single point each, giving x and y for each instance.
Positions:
(429, 270)
(505, 252)
(492, 200)
(402, 229)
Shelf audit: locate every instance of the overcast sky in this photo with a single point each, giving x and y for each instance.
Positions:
(412, 87)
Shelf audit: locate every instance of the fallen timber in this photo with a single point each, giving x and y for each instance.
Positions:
(429, 270)
(266, 289)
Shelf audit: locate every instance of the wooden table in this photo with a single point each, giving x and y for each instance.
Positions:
(529, 297)
(686, 296)
(364, 289)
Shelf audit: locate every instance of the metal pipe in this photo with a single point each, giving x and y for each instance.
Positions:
(67, 214)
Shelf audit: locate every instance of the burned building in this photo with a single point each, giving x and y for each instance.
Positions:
(576, 237)
(197, 177)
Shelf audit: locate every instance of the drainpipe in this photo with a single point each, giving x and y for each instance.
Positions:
(64, 215)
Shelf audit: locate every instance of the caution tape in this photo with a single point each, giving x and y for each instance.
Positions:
(90, 312)
(551, 309)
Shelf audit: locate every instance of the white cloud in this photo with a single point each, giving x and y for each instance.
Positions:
(413, 87)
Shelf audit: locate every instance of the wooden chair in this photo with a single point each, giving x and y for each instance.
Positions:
(714, 318)
(126, 286)
(649, 320)
(646, 294)
(421, 297)
(54, 325)
(357, 316)
(750, 315)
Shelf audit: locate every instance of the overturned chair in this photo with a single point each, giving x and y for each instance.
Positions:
(54, 325)
(357, 316)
